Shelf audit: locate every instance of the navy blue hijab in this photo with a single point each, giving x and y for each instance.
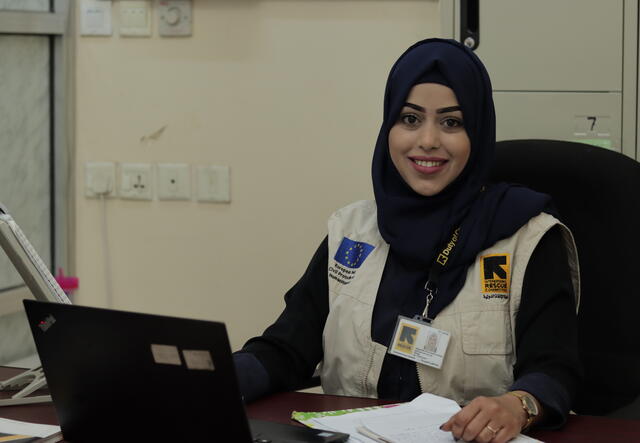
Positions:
(416, 226)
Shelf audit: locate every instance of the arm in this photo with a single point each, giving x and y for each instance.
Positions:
(547, 366)
(285, 356)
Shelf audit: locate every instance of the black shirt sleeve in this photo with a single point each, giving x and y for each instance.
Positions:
(548, 364)
(291, 348)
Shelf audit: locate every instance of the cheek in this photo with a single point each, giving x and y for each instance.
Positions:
(465, 153)
(395, 142)
(460, 147)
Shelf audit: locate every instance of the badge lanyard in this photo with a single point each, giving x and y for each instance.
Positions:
(414, 338)
(431, 286)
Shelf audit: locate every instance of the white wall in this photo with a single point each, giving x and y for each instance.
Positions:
(287, 93)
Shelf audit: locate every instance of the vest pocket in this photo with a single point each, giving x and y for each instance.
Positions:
(487, 347)
(349, 365)
(486, 332)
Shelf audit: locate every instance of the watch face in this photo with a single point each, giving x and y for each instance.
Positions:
(531, 406)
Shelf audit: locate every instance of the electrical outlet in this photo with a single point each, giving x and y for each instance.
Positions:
(174, 181)
(100, 179)
(136, 181)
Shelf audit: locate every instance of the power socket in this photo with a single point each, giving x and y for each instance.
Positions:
(136, 181)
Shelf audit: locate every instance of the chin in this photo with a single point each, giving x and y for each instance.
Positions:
(430, 192)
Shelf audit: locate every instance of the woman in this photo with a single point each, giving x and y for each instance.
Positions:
(484, 266)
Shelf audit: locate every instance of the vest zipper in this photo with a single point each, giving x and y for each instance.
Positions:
(420, 378)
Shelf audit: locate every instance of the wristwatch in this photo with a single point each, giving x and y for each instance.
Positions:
(529, 405)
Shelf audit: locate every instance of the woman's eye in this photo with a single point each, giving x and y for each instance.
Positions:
(452, 122)
(410, 119)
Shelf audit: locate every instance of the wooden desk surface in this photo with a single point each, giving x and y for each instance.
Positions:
(37, 413)
(278, 408)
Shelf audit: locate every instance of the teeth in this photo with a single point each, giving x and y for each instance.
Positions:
(428, 164)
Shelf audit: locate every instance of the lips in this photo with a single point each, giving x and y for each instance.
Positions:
(428, 165)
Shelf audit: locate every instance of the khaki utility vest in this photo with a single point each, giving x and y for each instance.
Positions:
(481, 319)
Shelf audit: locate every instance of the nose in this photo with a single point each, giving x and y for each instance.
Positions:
(429, 137)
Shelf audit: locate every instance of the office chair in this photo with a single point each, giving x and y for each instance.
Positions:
(597, 194)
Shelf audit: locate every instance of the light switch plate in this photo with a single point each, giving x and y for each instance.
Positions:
(135, 18)
(174, 181)
(213, 183)
(175, 18)
(95, 17)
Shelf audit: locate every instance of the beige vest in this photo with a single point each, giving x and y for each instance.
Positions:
(481, 319)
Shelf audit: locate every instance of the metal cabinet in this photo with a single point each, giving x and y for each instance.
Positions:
(560, 69)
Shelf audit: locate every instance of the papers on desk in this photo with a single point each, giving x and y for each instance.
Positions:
(24, 431)
(414, 422)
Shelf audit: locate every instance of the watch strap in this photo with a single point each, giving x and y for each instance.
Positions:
(531, 415)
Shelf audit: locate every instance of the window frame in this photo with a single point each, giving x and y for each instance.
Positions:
(56, 24)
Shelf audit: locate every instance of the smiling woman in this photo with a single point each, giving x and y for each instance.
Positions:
(461, 277)
(429, 145)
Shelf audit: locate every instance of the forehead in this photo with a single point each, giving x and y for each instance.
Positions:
(432, 95)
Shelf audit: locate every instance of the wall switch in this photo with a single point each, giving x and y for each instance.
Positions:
(174, 18)
(95, 17)
(135, 18)
(100, 179)
(136, 181)
(213, 183)
(174, 181)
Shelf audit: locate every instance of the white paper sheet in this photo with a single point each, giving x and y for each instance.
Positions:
(414, 422)
(25, 428)
(411, 426)
(349, 423)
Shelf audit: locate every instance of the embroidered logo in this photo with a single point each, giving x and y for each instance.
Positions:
(352, 253)
(495, 270)
(406, 340)
(349, 257)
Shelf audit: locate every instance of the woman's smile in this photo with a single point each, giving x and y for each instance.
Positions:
(428, 165)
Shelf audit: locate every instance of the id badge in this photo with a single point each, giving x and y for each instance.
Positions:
(418, 341)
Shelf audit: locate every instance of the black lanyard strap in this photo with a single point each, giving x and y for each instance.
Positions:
(431, 286)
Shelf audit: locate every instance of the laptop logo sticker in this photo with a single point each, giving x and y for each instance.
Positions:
(165, 354)
(47, 323)
(199, 360)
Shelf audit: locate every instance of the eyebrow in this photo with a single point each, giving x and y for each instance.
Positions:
(448, 109)
(438, 111)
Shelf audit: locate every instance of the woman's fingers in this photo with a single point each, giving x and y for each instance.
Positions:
(458, 423)
(484, 420)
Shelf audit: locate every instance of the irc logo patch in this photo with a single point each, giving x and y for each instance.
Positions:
(406, 339)
(495, 270)
(352, 253)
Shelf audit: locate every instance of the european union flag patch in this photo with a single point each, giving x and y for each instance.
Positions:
(352, 253)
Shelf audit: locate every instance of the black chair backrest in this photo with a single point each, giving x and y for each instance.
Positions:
(597, 193)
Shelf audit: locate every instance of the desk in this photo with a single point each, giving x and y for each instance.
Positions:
(580, 429)
(278, 408)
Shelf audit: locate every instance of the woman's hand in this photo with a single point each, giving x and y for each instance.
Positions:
(488, 419)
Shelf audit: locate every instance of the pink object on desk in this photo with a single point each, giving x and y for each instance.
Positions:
(67, 283)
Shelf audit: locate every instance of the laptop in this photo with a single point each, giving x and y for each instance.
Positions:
(125, 376)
